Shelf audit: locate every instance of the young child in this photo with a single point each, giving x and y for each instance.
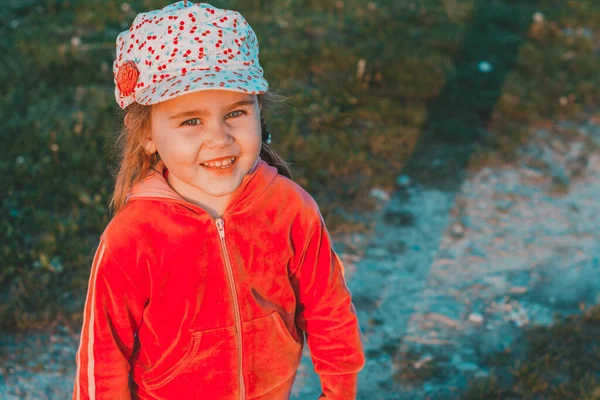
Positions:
(216, 267)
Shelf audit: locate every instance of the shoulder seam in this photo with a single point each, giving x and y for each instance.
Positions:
(114, 260)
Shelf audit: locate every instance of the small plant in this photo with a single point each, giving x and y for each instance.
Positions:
(561, 361)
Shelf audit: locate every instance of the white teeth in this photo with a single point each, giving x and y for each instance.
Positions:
(220, 164)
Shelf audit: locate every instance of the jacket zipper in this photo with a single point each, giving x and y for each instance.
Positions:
(236, 308)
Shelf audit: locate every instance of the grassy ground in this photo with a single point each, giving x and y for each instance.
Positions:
(375, 86)
(557, 362)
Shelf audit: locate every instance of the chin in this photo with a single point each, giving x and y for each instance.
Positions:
(222, 190)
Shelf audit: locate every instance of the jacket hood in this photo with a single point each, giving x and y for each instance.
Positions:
(154, 186)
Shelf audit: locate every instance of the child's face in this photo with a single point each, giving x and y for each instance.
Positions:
(205, 126)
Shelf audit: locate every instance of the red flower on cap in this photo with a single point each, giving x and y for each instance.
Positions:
(127, 78)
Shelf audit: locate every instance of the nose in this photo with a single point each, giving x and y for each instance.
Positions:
(218, 136)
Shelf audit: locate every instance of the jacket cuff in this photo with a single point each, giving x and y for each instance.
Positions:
(339, 387)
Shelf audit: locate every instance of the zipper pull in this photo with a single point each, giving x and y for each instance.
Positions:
(220, 227)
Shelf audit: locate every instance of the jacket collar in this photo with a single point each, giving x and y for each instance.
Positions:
(154, 186)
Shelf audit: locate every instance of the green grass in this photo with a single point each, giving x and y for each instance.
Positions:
(557, 362)
(344, 134)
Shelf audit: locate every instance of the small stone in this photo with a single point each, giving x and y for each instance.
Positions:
(485, 67)
(476, 318)
(531, 172)
(517, 290)
(403, 181)
(380, 194)
(519, 317)
(424, 360)
(458, 230)
(360, 69)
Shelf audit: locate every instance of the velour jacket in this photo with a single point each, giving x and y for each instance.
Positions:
(184, 306)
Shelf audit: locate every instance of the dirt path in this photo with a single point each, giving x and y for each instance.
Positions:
(450, 278)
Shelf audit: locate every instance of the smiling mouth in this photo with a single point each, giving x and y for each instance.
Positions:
(220, 164)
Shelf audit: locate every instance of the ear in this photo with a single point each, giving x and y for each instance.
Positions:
(127, 120)
(149, 144)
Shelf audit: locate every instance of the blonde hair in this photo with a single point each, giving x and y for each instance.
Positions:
(134, 163)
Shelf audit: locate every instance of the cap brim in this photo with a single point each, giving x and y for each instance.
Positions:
(249, 80)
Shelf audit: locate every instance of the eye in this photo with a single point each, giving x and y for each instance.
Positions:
(192, 122)
(235, 114)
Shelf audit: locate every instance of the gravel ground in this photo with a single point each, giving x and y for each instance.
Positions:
(444, 280)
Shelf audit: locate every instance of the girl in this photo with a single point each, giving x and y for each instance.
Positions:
(216, 267)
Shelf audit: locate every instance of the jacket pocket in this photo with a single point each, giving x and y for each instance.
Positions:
(206, 365)
(285, 334)
(271, 356)
(154, 378)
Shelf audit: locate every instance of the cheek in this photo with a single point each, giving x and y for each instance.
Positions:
(252, 142)
(253, 135)
(171, 144)
(178, 149)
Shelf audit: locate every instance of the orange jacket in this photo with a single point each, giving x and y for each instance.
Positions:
(181, 306)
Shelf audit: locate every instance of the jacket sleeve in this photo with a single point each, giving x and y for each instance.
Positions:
(326, 314)
(112, 314)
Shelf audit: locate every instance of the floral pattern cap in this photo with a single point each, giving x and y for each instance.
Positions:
(184, 48)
